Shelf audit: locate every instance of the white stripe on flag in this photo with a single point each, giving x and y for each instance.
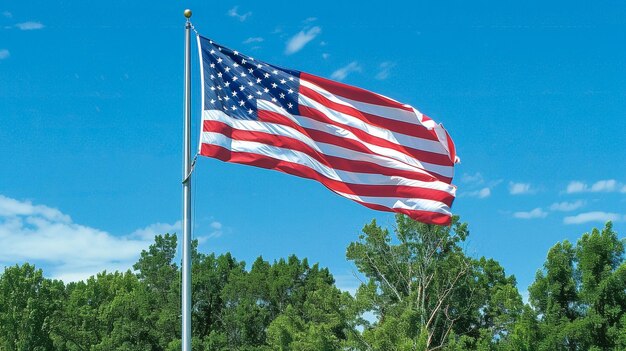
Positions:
(303, 159)
(406, 204)
(306, 122)
(380, 155)
(378, 110)
(325, 149)
(396, 138)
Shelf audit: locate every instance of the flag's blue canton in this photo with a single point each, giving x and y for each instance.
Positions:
(233, 82)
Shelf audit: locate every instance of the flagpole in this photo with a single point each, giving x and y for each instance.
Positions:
(186, 269)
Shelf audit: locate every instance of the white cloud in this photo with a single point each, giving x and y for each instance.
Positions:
(606, 186)
(476, 178)
(623, 190)
(7, 14)
(310, 19)
(484, 192)
(242, 17)
(575, 187)
(384, 69)
(595, 216)
(325, 56)
(519, 188)
(148, 233)
(298, 41)
(478, 182)
(253, 40)
(343, 72)
(29, 25)
(217, 230)
(567, 206)
(535, 213)
(4, 53)
(11, 208)
(45, 236)
(481, 194)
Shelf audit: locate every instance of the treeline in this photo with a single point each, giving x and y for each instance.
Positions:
(420, 291)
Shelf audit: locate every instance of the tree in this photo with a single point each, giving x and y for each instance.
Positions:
(410, 283)
(107, 311)
(580, 295)
(160, 278)
(210, 275)
(496, 305)
(27, 300)
(599, 255)
(426, 294)
(286, 305)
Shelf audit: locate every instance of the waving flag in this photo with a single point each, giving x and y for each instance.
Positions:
(361, 145)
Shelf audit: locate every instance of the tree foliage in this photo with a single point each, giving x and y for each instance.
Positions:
(580, 294)
(425, 292)
(27, 300)
(420, 291)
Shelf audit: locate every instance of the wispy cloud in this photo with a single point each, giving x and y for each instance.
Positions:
(567, 206)
(604, 186)
(535, 213)
(575, 187)
(477, 186)
(384, 69)
(475, 178)
(242, 17)
(253, 40)
(216, 230)
(520, 188)
(30, 25)
(148, 233)
(608, 185)
(325, 56)
(481, 193)
(298, 41)
(344, 71)
(4, 53)
(310, 19)
(7, 14)
(44, 235)
(595, 216)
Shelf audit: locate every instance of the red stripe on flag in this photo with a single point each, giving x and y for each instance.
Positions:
(410, 129)
(256, 160)
(352, 92)
(421, 216)
(421, 155)
(318, 135)
(328, 160)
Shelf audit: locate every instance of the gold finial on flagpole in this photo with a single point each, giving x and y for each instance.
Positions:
(187, 13)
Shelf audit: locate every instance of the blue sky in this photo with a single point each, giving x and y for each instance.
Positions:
(533, 94)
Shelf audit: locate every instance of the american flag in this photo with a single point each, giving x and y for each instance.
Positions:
(361, 145)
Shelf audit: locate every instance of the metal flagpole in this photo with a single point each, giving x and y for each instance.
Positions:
(186, 283)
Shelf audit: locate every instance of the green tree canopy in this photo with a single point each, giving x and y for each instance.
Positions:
(420, 291)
